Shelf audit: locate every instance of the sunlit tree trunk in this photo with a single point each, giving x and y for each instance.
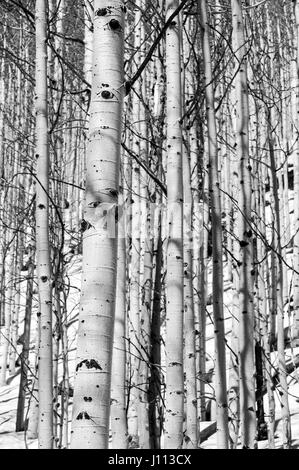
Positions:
(23, 388)
(42, 234)
(136, 261)
(285, 411)
(146, 288)
(155, 357)
(174, 399)
(245, 234)
(215, 205)
(91, 408)
(296, 190)
(119, 429)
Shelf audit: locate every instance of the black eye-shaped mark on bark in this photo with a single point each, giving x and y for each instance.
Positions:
(101, 12)
(87, 399)
(83, 415)
(94, 204)
(90, 364)
(85, 225)
(113, 192)
(106, 94)
(115, 25)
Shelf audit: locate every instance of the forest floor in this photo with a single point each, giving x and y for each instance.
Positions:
(9, 439)
(211, 443)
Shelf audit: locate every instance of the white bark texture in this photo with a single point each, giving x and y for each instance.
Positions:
(90, 426)
(192, 424)
(215, 205)
(174, 280)
(119, 429)
(296, 191)
(246, 341)
(45, 426)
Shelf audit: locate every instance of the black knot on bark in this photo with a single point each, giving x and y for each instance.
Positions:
(101, 12)
(106, 94)
(114, 25)
(85, 225)
(127, 88)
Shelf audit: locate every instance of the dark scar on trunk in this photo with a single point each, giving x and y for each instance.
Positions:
(90, 364)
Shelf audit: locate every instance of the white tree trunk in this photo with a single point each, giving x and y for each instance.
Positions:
(174, 399)
(245, 235)
(91, 408)
(42, 234)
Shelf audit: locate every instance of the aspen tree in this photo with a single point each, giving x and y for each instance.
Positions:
(9, 247)
(155, 357)
(285, 412)
(25, 345)
(267, 345)
(15, 291)
(295, 333)
(56, 108)
(174, 398)
(146, 245)
(33, 402)
(135, 265)
(15, 309)
(200, 216)
(192, 427)
(119, 429)
(246, 318)
(2, 101)
(42, 234)
(9, 281)
(91, 408)
(233, 191)
(191, 433)
(260, 300)
(155, 379)
(215, 205)
(88, 43)
(2, 193)
(234, 384)
(202, 286)
(6, 329)
(265, 311)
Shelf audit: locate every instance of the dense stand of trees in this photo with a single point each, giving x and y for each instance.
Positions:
(153, 148)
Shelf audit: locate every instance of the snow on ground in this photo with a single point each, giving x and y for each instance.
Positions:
(211, 443)
(9, 439)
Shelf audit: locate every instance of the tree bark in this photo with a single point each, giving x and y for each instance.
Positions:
(91, 408)
(42, 234)
(246, 329)
(215, 206)
(174, 399)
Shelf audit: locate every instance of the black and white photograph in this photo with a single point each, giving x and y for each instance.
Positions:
(149, 228)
